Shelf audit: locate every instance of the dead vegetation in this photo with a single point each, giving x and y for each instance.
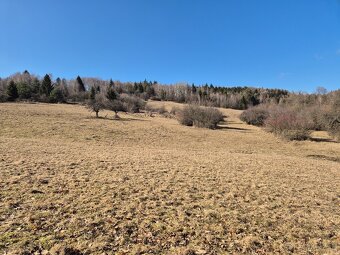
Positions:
(198, 116)
(74, 184)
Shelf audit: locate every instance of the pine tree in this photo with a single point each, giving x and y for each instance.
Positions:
(46, 85)
(12, 91)
(80, 85)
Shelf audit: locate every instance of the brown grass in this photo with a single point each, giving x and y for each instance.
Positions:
(143, 185)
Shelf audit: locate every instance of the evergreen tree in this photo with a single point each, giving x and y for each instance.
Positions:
(111, 94)
(92, 93)
(135, 87)
(46, 85)
(150, 91)
(111, 84)
(80, 85)
(56, 96)
(35, 86)
(58, 81)
(140, 88)
(193, 88)
(12, 91)
(24, 90)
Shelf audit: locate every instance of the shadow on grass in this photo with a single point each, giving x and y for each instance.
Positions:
(234, 128)
(323, 157)
(114, 119)
(322, 140)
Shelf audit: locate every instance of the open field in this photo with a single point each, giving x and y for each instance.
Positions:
(147, 185)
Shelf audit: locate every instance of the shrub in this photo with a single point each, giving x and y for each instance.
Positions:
(316, 116)
(202, 117)
(132, 104)
(289, 124)
(332, 123)
(174, 110)
(255, 116)
(186, 116)
(152, 109)
(3, 98)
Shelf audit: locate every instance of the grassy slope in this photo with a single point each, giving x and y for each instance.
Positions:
(144, 184)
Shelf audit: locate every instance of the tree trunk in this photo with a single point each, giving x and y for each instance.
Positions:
(97, 116)
(116, 115)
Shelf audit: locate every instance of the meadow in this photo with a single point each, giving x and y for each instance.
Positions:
(71, 183)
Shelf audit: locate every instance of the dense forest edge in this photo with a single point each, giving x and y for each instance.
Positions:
(29, 87)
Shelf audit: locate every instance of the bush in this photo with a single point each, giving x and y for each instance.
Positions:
(289, 124)
(132, 104)
(174, 110)
(186, 116)
(152, 109)
(316, 115)
(255, 116)
(3, 98)
(197, 116)
(332, 123)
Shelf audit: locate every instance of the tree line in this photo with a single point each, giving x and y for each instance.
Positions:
(26, 86)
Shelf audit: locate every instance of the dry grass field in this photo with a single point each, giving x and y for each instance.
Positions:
(146, 185)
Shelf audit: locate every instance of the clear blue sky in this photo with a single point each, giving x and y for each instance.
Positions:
(292, 44)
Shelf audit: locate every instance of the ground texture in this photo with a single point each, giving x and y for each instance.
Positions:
(74, 184)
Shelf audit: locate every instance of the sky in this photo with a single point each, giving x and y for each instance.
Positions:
(287, 44)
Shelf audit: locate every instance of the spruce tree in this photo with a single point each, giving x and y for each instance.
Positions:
(111, 84)
(36, 86)
(58, 81)
(46, 85)
(111, 94)
(80, 85)
(12, 91)
(92, 93)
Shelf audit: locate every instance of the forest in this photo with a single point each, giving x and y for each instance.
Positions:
(28, 87)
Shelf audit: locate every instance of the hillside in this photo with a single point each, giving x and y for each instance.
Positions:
(147, 185)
